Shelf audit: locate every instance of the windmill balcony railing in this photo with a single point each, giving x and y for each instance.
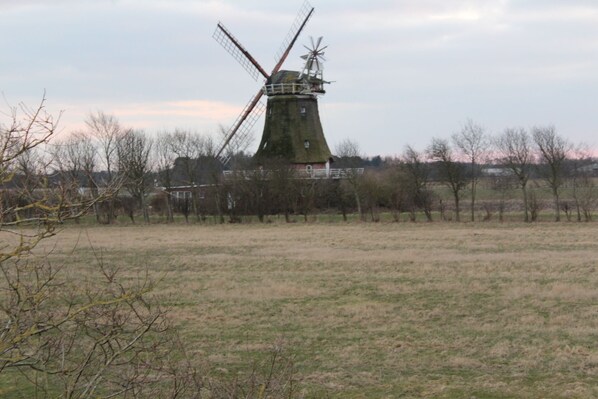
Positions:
(291, 88)
(334, 174)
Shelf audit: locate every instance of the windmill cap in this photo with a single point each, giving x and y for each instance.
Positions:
(282, 77)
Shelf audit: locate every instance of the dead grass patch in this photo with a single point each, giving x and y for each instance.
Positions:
(375, 310)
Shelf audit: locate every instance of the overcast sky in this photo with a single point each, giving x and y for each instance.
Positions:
(402, 71)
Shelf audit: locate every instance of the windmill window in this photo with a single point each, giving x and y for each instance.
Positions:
(306, 144)
(302, 110)
(309, 169)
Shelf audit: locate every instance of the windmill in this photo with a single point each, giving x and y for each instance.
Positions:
(292, 128)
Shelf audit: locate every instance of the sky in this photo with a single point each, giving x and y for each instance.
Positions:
(402, 71)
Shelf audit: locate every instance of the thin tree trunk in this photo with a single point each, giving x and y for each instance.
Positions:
(110, 211)
(358, 203)
(457, 210)
(94, 195)
(473, 188)
(555, 192)
(169, 211)
(525, 205)
(576, 197)
(144, 210)
(195, 205)
(344, 210)
(219, 207)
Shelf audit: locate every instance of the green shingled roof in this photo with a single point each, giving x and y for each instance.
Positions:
(289, 77)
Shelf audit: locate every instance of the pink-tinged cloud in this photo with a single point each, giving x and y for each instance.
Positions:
(215, 111)
(201, 115)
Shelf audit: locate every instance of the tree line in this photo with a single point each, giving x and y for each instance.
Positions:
(531, 161)
(176, 173)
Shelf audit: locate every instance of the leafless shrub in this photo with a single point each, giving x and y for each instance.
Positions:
(274, 378)
(63, 337)
(535, 205)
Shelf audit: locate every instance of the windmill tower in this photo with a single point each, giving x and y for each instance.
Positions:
(292, 128)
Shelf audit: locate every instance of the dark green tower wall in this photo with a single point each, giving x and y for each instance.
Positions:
(291, 120)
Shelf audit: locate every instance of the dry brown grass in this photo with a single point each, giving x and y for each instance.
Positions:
(375, 310)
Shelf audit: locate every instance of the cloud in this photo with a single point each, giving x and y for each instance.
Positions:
(197, 115)
(204, 110)
(398, 65)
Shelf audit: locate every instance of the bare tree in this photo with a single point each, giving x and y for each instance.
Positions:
(285, 188)
(258, 193)
(69, 168)
(306, 194)
(27, 129)
(396, 184)
(582, 182)
(349, 151)
(106, 130)
(82, 151)
(417, 174)
(451, 171)
(372, 193)
(233, 193)
(472, 142)
(552, 150)
(514, 151)
(31, 170)
(74, 161)
(189, 147)
(215, 178)
(164, 158)
(24, 133)
(133, 150)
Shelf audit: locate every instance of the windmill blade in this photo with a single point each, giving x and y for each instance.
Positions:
(239, 134)
(303, 16)
(318, 43)
(320, 57)
(315, 45)
(314, 54)
(239, 53)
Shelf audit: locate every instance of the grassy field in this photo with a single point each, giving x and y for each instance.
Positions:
(374, 310)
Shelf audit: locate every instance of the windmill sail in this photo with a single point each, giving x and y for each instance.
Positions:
(239, 136)
(239, 53)
(304, 14)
